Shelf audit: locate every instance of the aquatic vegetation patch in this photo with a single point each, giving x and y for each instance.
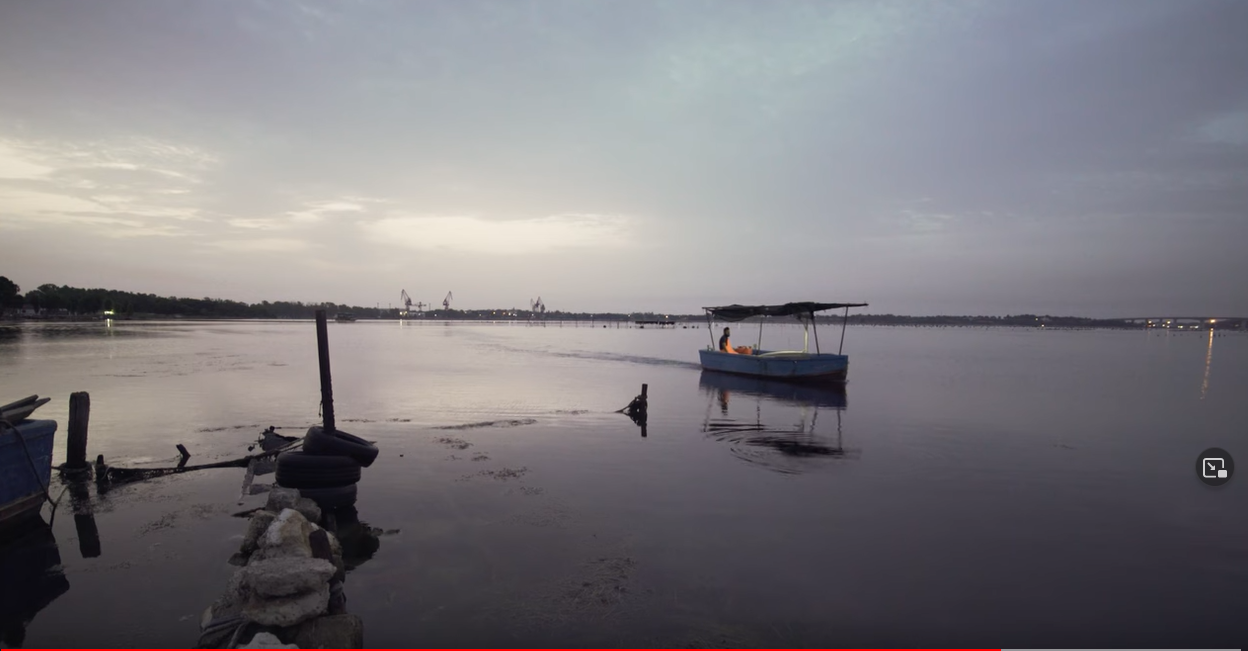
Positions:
(503, 474)
(490, 423)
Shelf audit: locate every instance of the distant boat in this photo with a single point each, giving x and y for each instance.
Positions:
(794, 365)
(345, 317)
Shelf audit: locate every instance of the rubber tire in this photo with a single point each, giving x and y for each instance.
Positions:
(318, 441)
(331, 498)
(301, 470)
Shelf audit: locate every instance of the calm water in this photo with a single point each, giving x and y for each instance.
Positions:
(983, 488)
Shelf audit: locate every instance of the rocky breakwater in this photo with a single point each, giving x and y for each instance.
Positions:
(288, 592)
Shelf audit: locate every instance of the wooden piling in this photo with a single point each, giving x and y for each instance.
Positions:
(79, 416)
(327, 389)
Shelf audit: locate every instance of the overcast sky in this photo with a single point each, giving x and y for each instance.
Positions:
(1068, 157)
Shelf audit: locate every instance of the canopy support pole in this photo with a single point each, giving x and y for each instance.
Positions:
(844, 322)
(710, 329)
(815, 325)
(760, 334)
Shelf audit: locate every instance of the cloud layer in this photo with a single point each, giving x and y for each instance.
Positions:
(1041, 155)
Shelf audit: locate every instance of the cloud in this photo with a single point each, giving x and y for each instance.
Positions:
(471, 234)
(257, 224)
(315, 212)
(262, 245)
(15, 165)
(1228, 128)
(926, 222)
(121, 187)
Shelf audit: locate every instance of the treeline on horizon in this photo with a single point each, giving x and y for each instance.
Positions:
(73, 301)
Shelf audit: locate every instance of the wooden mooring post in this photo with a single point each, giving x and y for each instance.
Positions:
(327, 388)
(76, 443)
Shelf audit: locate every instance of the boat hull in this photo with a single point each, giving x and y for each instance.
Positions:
(21, 490)
(782, 366)
(816, 394)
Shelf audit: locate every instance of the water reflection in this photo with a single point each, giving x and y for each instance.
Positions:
(30, 333)
(1204, 386)
(30, 567)
(360, 542)
(752, 420)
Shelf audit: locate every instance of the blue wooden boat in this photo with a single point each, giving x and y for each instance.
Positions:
(25, 467)
(793, 365)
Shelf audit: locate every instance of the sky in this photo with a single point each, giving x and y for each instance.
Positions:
(973, 157)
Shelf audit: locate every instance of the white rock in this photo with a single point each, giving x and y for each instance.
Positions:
(284, 577)
(256, 527)
(288, 611)
(282, 498)
(309, 509)
(287, 536)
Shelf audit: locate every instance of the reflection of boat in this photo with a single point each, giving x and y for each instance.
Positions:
(25, 467)
(31, 566)
(781, 364)
(819, 395)
(345, 317)
(786, 448)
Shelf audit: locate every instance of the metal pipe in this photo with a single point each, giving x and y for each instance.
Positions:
(327, 389)
(815, 325)
(844, 322)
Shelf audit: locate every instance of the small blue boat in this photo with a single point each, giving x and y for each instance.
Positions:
(793, 365)
(25, 467)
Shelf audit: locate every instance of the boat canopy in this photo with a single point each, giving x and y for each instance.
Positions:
(743, 312)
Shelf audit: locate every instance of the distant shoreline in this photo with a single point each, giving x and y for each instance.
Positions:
(50, 302)
(685, 321)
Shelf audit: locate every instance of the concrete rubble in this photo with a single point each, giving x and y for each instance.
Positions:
(288, 592)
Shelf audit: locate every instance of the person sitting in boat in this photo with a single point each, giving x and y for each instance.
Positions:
(725, 346)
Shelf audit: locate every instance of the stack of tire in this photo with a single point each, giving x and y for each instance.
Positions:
(328, 468)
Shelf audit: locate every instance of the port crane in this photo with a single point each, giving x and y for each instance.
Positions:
(537, 307)
(407, 304)
(446, 302)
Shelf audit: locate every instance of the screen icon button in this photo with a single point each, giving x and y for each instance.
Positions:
(1215, 466)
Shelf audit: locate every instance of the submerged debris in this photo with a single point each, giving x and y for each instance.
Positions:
(452, 442)
(491, 423)
(503, 474)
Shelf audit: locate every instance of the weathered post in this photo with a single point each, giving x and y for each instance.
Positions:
(76, 444)
(327, 389)
(641, 416)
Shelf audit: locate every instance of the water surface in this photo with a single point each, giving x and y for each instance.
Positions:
(969, 487)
